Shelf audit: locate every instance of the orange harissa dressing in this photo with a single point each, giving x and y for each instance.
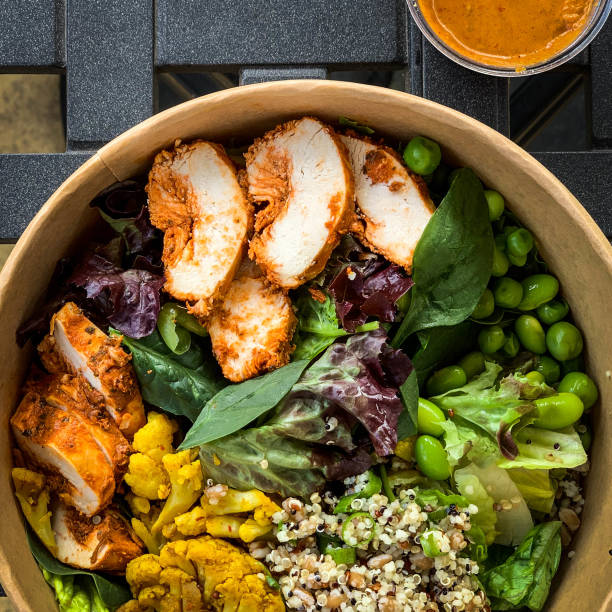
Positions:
(507, 33)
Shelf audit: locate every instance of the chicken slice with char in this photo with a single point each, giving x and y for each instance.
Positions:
(76, 345)
(393, 204)
(251, 329)
(104, 542)
(196, 199)
(61, 443)
(300, 173)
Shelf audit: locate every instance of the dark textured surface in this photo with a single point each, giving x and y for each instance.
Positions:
(27, 182)
(248, 76)
(230, 33)
(601, 74)
(110, 68)
(32, 33)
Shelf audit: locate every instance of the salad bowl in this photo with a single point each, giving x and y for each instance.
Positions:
(568, 239)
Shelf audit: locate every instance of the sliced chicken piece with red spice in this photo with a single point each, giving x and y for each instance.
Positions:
(62, 445)
(393, 204)
(251, 329)
(301, 175)
(103, 542)
(76, 345)
(196, 199)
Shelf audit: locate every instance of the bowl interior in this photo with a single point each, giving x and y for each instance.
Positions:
(570, 241)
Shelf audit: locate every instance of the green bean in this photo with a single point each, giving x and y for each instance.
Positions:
(530, 333)
(422, 155)
(496, 204)
(491, 339)
(564, 341)
(553, 311)
(485, 306)
(431, 458)
(511, 345)
(535, 377)
(429, 417)
(500, 263)
(177, 339)
(507, 292)
(519, 242)
(450, 377)
(473, 364)
(581, 385)
(549, 368)
(558, 411)
(537, 290)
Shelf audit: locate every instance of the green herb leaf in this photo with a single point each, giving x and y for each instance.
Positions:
(452, 260)
(238, 405)
(407, 422)
(113, 591)
(179, 384)
(358, 127)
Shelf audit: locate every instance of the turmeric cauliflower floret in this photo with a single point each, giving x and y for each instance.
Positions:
(236, 502)
(147, 478)
(155, 438)
(34, 500)
(191, 523)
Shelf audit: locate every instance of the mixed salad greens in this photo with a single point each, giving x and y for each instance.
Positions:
(470, 370)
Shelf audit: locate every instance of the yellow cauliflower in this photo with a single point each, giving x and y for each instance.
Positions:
(155, 438)
(191, 523)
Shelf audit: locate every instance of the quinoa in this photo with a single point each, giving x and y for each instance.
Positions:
(391, 572)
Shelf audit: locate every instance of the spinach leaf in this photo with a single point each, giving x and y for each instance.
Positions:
(179, 384)
(112, 590)
(409, 393)
(452, 260)
(524, 578)
(238, 405)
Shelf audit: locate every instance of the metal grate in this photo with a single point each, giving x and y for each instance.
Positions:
(124, 61)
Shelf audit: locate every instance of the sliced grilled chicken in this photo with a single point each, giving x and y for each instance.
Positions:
(196, 199)
(63, 446)
(393, 204)
(251, 329)
(300, 173)
(76, 345)
(104, 542)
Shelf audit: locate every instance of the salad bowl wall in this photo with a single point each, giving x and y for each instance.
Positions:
(569, 240)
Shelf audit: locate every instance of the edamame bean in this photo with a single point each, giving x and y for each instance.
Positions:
(564, 341)
(549, 368)
(450, 377)
(429, 417)
(473, 364)
(530, 333)
(422, 155)
(517, 260)
(572, 365)
(496, 204)
(586, 436)
(519, 242)
(500, 263)
(500, 241)
(581, 385)
(485, 306)
(491, 339)
(511, 345)
(431, 457)
(537, 290)
(507, 292)
(553, 311)
(535, 377)
(558, 411)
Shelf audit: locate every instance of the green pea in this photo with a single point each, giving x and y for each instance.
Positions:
(586, 436)
(564, 341)
(535, 377)
(553, 311)
(558, 411)
(500, 263)
(429, 417)
(581, 385)
(431, 458)
(511, 345)
(519, 242)
(495, 202)
(530, 333)
(549, 368)
(517, 260)
(473, 364)
(507, 292)
(491, 339)
(572, 365)
(485, 306)
(450, 377)
(422, 155)
(537, 290)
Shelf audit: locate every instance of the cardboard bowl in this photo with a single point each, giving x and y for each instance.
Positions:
(570, 241)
